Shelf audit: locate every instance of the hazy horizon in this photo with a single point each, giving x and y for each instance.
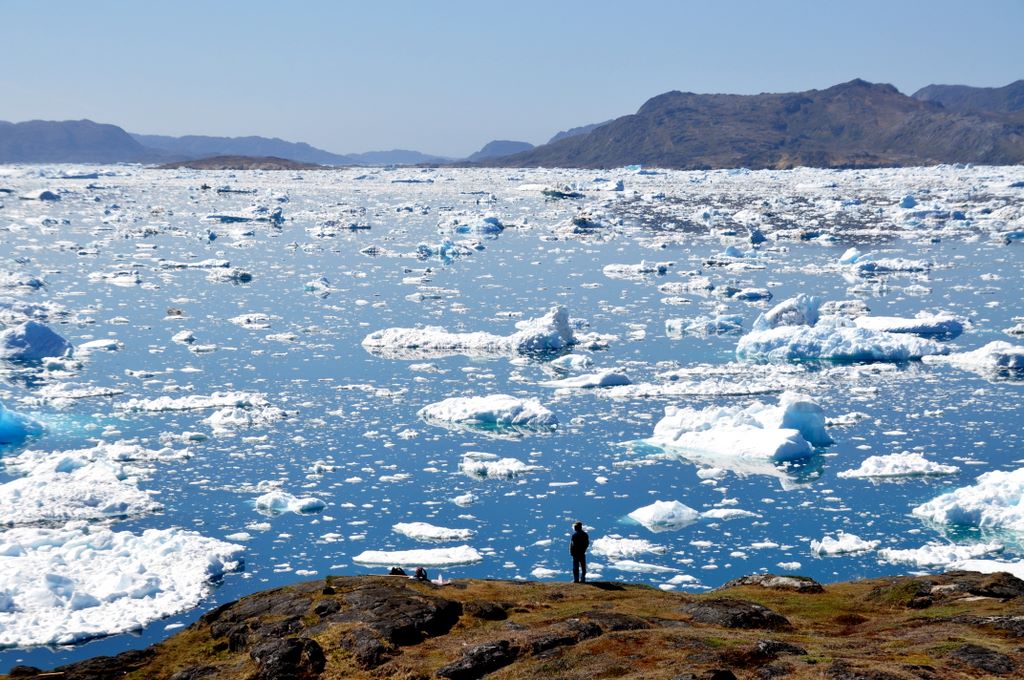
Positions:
(447, 79)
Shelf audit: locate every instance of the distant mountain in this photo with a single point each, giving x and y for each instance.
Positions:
(241, 163)
(202, 146)
(963, 98)
(499, 147)
(854, 124)
(395, 157)
(69, 141)
(573, 132)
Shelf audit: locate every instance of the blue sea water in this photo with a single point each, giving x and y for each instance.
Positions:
(349, 406)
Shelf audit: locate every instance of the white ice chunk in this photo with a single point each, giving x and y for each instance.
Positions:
(427, 557)
(16, 427)
(488, 465)
(940, 325)
(276, 502)
(842, 544)
(423, 531)
(197, 401)
(619, 548)
(995, 357)
(31, 341)
(665, 516)
(906, 464)
(605, 378)
(938, 554)
(995, 500)
(496, 412)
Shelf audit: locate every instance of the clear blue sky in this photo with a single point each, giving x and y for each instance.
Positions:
(447, 76)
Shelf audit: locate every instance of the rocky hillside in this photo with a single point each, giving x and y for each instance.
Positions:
(69, 141)
(241, 163)
(855, 124)
(966, 99)
(957, 625)
(497, 148)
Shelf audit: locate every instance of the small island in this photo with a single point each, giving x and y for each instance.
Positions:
(240, 163)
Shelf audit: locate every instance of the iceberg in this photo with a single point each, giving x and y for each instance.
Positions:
(720, 324)
(636, 271)
(489, 466)
(665, 516)
(997, 357)
(16, 428)
(197, 401)
(842, 544)
(941, 325)
(785, 432)
(426, 557)
(497, 412)
(548, 333)
(606, 378)
(995, 500)
(277, 502)
(801, 310)
(423, 531)
(32, 341)
(62, 586)
(938, 554)
(904, 464)
(618, 548)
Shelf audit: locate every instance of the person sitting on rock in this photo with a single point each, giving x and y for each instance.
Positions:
(420, 574)
(578, 545)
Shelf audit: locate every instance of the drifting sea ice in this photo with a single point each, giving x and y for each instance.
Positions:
(197, 401)
(618, 548)
(996, 357)
(665, 516)
(489, 466)
(277, 502)
(938, 554)
(549, 333)
(61, 586)
(496, 412)
(16, 427)
(995, 500)
(605, 378)
(906, 464)
(423, 531)
(426, 557)
(842, 544)
(785, 432)
(944, 326)
(32, 341)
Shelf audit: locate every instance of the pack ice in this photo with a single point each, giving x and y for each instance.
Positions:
(784, 432)
(794, 331)
(60, 586)
(497, 412)
(548, 333)
(995, 500)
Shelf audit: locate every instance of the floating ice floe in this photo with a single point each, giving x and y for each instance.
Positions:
(549, 333)
(101, 345)
(277, 502)
(427, 557)
(842, 544)
(995, 500)
(793, 331)
(635, 567)
(785, 432)
(31, 341)
(483, 224)
(497, 413)
(16, 280)
(197, 401)
(606, 378)
(665, 516)
(490, 466)
(61, 586)
(895, 265)
(938, 554)
(941, 325)
(16, 427)
(988, 567)
(572, 362)
(620, 548)
(636, 271)
(906, 464)
(720, 324)
(727, 514)
(423, 531)
(231, 418)
(125, 278)
(997, 357)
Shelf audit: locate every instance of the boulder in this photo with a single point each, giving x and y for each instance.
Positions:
(293, 658)
(481, 660)
(796, 584)
(732, 613)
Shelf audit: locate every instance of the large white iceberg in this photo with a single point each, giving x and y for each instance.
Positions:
(938, 554)
(784, 432)
(16, 427)
(425, 557)
(665, 516)
(995, 500)
(996, 357)
(842, 544)
(906, 464)
(794, 331)
(60, 586)
(498, 412)
(548, 333)
(31, 341)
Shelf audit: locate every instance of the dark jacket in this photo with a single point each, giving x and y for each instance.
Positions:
(579, 543)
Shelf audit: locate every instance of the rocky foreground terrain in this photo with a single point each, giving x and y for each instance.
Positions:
(957, 625)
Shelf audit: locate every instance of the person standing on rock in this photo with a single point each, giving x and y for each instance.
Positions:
(578, 545)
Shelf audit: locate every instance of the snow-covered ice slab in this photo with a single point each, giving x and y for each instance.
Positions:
(277, 502)
(426, 557)
(784, 432)
(665, 516)
(424, 531)
(60, 586)
(995, 500)
(944, 326)
(997, 357)
(938, 554)
(496, 412)
(548, 333)
(489, 466)
(32, 341)
(842, 544)
(619, 548)
(197, 401)
(606, 378)
(906, 464)
(16, 427)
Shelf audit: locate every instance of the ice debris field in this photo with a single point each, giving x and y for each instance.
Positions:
(214, 383)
